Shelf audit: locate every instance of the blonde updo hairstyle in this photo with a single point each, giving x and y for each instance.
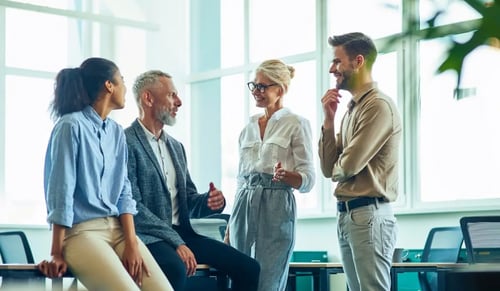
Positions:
(278, 72)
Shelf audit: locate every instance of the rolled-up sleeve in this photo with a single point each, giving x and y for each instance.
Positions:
(328, 151)
(303, 155)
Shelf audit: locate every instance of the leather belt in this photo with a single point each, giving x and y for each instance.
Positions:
(343, 206)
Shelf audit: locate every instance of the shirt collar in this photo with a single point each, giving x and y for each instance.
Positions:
(90, 113)
(364, 91)
(276, 115)
(148, 133)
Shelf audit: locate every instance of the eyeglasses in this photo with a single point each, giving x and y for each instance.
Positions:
(261, 87)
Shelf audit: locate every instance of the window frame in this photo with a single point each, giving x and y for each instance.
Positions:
(408, 99)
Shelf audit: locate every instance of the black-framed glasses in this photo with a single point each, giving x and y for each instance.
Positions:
(258, 86)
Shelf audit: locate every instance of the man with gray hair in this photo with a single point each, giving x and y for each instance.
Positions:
(167, 197)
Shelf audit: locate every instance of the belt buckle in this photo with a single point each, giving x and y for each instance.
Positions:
(346, 204)
(342, 206)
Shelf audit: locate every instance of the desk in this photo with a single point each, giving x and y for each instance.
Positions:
(475, 277)
(320, 272)
(25, 272)
(440, 268)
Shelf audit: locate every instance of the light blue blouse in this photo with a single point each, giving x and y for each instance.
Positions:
(86, 169)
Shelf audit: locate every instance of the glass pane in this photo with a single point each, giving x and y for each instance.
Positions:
(129, 67)
(281, 28)
(463, 146)
(27, 130)
(450, 11)
(129, 9)
(383, 17)
(61, 4)
(233, 119)
(385, 73)
(205, 39)
(232, 33)
(302, 99)
(31, 46)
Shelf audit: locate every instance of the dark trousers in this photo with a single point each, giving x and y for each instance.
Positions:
(242, 269)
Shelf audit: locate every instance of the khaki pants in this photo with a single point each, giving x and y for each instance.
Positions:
(93, 251)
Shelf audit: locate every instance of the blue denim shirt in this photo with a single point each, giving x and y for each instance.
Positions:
(86, 169)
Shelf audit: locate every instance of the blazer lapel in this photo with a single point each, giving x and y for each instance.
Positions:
(143, 140)
(179, 165)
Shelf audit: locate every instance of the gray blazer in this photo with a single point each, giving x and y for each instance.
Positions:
(153, 222)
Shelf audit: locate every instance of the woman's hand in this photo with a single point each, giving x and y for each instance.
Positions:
(132, 260)
(55, 268)
(279, 172)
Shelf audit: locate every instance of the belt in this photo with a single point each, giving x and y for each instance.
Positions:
(343, 206)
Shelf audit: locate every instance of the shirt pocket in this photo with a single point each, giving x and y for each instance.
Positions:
(276, 149)
(249, 150)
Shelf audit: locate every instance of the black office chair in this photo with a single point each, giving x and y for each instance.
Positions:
(15, 249)
(443, 244)
(482, 238)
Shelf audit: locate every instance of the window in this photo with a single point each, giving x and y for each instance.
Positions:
(458, 138)
(236, 42)
(459, 156)
(444, 140)
(65, 33)
(448, 149)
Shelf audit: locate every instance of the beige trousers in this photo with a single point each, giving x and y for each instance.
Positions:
(93, 251)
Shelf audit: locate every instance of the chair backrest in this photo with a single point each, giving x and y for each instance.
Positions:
(443, 244)
(482, 238)
(15, 248)
(213, 226)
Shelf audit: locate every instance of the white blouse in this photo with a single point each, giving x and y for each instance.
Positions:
(287, 139)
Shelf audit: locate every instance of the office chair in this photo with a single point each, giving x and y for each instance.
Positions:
(482, 238)
(222, 228)
(213, 226)
(15, 249)
(442, 245)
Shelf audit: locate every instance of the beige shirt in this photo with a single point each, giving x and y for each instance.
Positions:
(363, 157)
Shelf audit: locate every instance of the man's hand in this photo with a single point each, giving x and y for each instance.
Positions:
(188, 258)
(226, 236)
(216, 199)
(330, 102)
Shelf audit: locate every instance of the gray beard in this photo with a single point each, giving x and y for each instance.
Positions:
(166, 118)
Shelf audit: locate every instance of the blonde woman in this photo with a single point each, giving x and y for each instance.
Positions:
(275, 159)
